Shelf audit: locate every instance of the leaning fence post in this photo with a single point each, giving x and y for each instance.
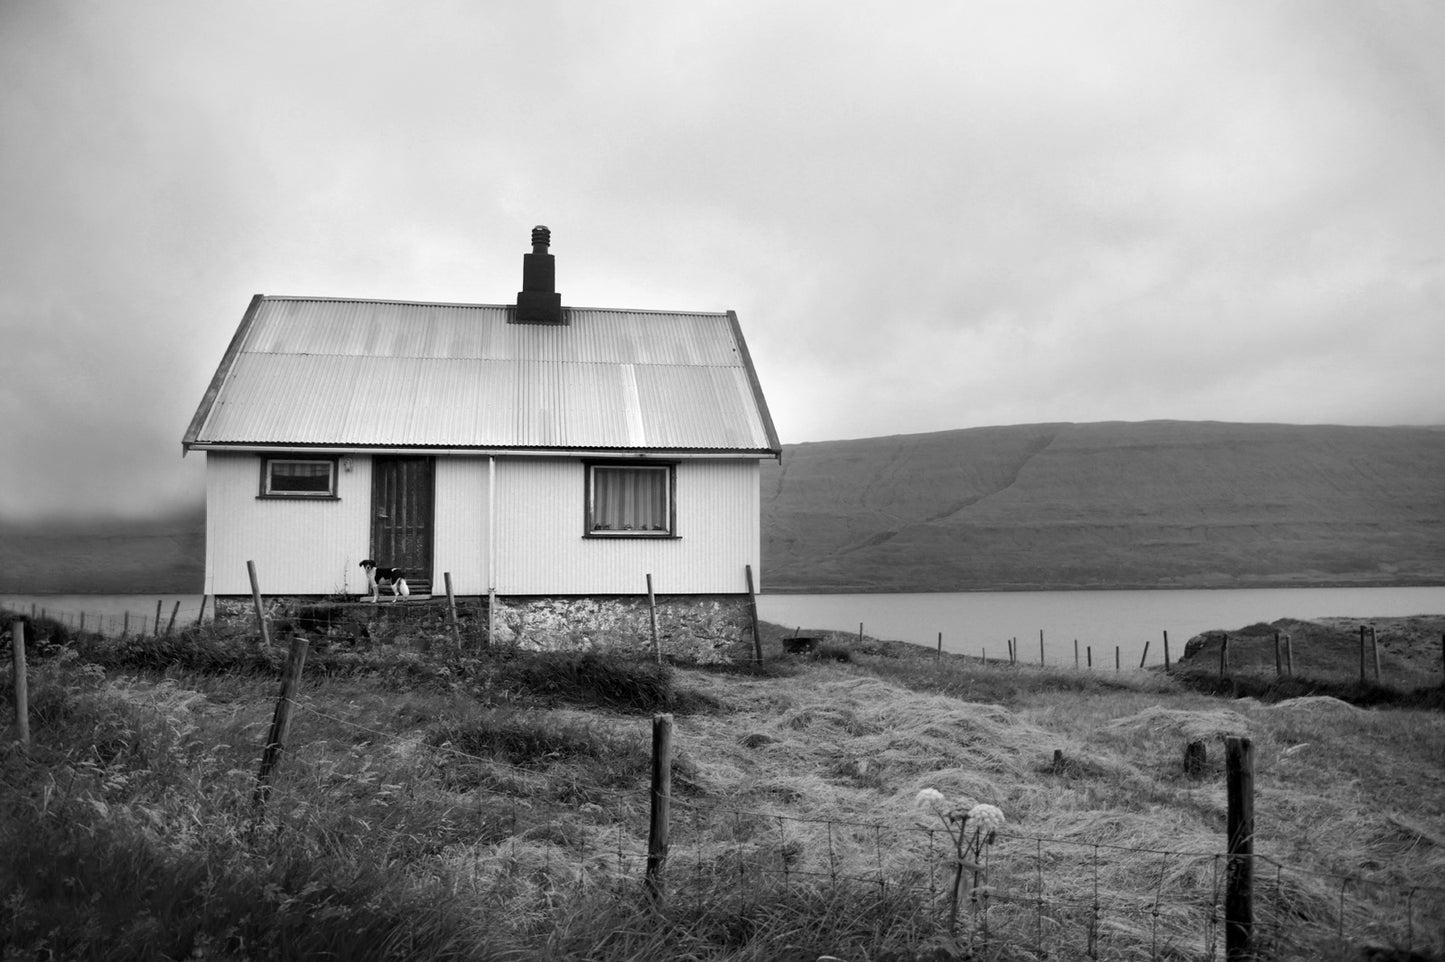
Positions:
(753, 608)
(1375, 650)
(22, 693)
(1239, 885)
(260, 612)
(175, 610)
(452, 610)
(281, 721)
(657, 830)
(1145, 656)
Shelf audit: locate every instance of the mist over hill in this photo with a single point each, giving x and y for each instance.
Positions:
(1165, 504)
(120, 556)
(1108, 505)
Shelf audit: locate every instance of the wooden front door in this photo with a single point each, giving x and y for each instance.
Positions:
(401, 517)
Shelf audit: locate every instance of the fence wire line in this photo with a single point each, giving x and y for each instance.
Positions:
(682, 802)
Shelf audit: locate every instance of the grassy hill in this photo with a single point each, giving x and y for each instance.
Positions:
(1165, 504)
(1152, 504)
(165, 555)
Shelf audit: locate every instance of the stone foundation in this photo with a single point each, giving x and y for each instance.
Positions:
(697, 629)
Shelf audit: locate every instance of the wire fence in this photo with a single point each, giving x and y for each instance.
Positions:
(1050, 897)
(1047, 895)
(117, 616)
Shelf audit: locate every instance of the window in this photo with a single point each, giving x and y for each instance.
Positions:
(298, 478)
(630, 500)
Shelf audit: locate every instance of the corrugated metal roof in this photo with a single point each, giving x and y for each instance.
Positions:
(380, 373)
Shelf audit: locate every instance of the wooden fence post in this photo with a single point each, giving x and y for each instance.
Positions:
(1089, 653)
(652, 616)
(1145, 656)
(1196, 759)
(260, 611)
(657, 829)
(22, 691)
(158, 617)
(1224, 656)
(125, 630)
(1117, 662)
(1239, 878)
(1289, 654)
(939, 656)
(281, 721)
(1076, 653)
(201, 615)
(1041, 647)
(1166, 651)
(1375, 651)
(175, 610)
(860, 634)
(491, 614)
(1278, 664)
(753, 608)
(452, 610)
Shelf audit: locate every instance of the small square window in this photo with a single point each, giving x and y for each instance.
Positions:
(298, 478)
(630, 500)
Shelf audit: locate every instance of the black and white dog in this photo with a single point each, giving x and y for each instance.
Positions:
(377, 576)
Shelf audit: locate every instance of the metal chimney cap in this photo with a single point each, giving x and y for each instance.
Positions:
(541, 238)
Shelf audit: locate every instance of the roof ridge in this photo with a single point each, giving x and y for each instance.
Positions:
(465, 304)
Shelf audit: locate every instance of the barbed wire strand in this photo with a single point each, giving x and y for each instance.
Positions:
(1039, 902)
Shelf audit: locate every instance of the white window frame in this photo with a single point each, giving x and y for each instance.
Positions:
(667, 470)
(269, 490)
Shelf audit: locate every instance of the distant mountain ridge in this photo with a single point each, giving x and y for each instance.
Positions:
(1178, 504)
(1155, 504)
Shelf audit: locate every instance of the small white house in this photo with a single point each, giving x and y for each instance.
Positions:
(527, 449)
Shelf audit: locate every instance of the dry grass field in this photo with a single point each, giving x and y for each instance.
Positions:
(437, 805)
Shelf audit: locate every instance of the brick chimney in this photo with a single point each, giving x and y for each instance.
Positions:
(538, 301)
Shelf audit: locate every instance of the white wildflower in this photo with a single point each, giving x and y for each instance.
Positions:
(931, 800)
(985, 820)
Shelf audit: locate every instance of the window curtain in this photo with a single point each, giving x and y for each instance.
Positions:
(629, 499)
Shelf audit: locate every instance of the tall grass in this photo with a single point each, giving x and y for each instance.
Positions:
(440, 805)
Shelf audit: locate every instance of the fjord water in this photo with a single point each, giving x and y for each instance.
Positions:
(971, 622)
(977, 621)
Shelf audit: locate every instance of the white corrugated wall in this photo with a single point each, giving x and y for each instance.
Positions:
(460, 523)
(299, 546)
(541, 549)
(313, 547)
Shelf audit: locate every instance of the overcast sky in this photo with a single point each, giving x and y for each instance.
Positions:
(927, 216)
